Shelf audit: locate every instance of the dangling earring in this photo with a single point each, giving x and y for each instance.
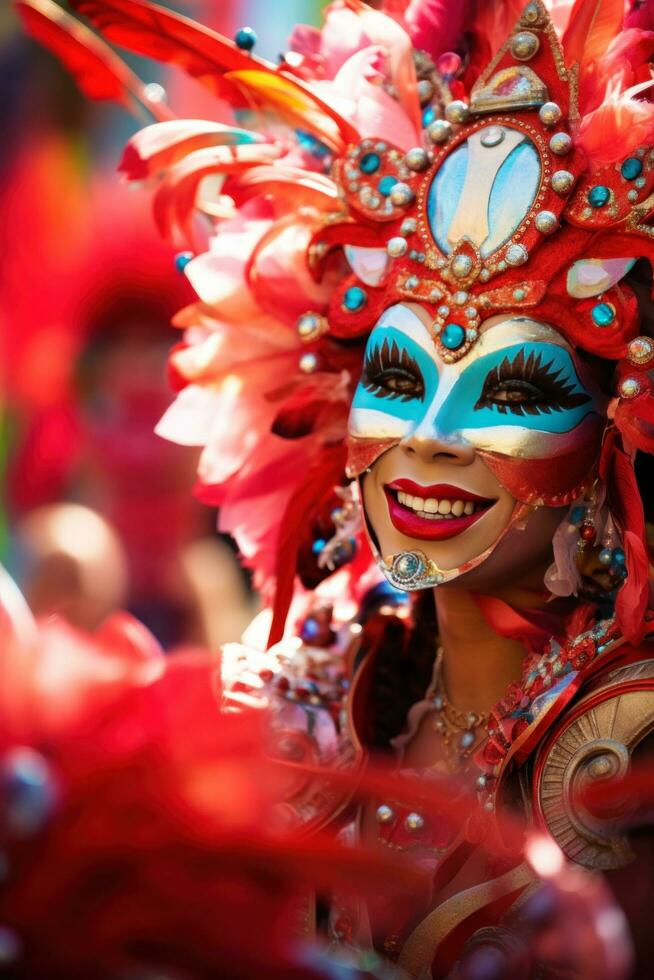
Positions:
(342, 546)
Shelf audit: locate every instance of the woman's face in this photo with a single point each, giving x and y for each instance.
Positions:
(458, 461)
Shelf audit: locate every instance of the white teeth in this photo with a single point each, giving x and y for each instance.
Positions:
(434, 509)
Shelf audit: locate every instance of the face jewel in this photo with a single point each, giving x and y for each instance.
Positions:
(439, 131)
(386, 184)
(401, 194)
(461, 266)
(603, 314)
(562, 181)
(369, 163)
(560, 144)
(516, 255)
(640, 350)
(550, 113)
(417, 159)
(457, 111)
(354, 299)
(492, 136)
(598, 196)
(524, 46)
(408, 566)
(631, 168)
(452, 336)
(546, 222)
(629, 388)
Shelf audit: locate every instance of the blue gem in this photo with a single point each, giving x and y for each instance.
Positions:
(619, 556)
(452, 336)
(312, 145)
(428, 116)
(182, 259)
(605, 556)
(631, 168)
(369, 163)
(354, 299)
(603, 314)
(598, 196)
(386, 184)
(318, 545)
(577, 514)
(310, 630)
(245, 39)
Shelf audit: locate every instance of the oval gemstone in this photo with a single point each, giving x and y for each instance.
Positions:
(428, 116)
(386, 184)
(354, 299)
(452, 336)
(369, 163)
(598, 196)
(245, 39)
(631, 168)
(603, 314)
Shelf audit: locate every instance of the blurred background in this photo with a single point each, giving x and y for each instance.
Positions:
(97, 512)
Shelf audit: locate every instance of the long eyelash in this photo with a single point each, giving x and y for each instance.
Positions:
(560, 391)
(387, 357)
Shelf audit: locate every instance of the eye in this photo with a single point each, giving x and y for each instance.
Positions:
(391, 372)
(527, 386)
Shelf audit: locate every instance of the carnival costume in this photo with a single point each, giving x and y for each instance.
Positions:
(374, 171)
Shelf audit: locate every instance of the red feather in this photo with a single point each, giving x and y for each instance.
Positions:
(593, 24)
(98, 71)
(155, 32)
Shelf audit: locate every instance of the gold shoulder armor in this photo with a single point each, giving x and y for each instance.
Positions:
(594, 742)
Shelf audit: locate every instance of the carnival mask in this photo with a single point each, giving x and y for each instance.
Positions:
(454, 451)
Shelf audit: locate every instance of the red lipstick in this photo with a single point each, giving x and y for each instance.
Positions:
(414, 525)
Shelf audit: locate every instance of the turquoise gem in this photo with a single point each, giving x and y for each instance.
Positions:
(369, 163)
(354, 299)
(386, 184)
(603, 314)
(245, 39)
(577, 514)
(182, 259)
(452, 336)
(598, 196)
(619, 556)
(631, 168)
(428, 116)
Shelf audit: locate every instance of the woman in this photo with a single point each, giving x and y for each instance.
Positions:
(416, 259)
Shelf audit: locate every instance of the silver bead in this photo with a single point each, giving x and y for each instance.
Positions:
(384, 814)
(461, 266)
(471, 312)
(460, 298)
(640, 350)
(310, 326)
(524, 46)
(561, 143)
(629, 388)
(516, 255)
(492, 136)
(481, 782)
(519, 294)
(425, 91)
(308, 363)
(401, 194)
(443, 310)
(457, 111)
(467, 740)
(562, 181)
(550, 113)
(414, 822)
(408, 226)
(396, 247)
(417, 159)
(546, 222)
(439, 131)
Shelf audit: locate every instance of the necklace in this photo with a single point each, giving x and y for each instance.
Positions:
(459, 730)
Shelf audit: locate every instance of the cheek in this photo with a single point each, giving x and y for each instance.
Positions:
(556, 479)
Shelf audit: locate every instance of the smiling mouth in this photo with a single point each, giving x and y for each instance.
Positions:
(433, 513)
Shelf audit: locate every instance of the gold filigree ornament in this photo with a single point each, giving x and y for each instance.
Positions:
(595, 746)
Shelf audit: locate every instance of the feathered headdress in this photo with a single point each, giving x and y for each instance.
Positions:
(322, 208)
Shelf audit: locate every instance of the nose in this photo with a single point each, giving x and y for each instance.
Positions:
(432, 447)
